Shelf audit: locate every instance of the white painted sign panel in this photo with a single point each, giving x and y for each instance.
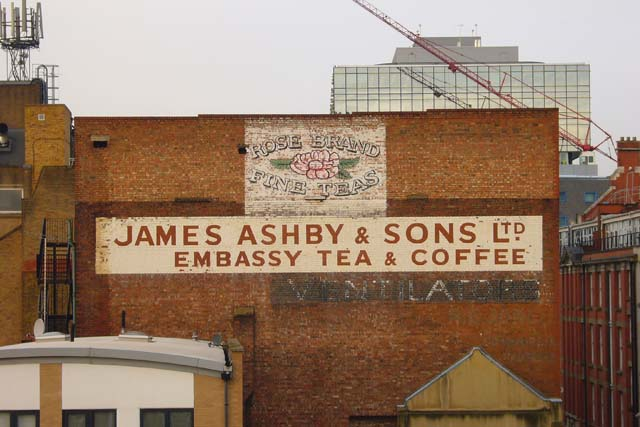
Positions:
(151, 245)
(315, 167)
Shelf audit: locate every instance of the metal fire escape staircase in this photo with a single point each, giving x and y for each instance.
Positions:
(56, 275)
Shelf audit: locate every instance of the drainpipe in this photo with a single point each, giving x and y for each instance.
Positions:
(610, 339)
(72, 248)
(584, 347)
(226, 377)
(44, 312)
(226, 401)
(634, 341)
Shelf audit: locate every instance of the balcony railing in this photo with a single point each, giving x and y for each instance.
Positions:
(595, 244)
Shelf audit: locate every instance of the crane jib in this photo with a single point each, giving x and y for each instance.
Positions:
(455, 67)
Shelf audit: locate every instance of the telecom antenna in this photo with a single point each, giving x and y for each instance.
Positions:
(20, 31)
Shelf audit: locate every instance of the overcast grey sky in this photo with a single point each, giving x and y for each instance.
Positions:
(157, 57)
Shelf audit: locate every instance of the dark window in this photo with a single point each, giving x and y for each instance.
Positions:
(19, 418)
(563, 197)
(10, 200)
(590, 197)
(564, 221)
(89, 418)
(166, 418)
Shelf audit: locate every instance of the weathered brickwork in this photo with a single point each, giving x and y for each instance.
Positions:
(479, 156)
(316, 288)
(10, 284)
(48, 195)
(19, 245)
(329, 362)
(9, 223)
(52, 199)
(15, 96)
(47, 137)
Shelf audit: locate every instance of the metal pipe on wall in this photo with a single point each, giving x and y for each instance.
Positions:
(584, 346)
(226, 403)
(610, 339)
(634, 342)
(226, 377)
(72, 249)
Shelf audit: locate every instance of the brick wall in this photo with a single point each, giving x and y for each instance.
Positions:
(422, 159)
(19, 245)
(15, 96)
(10, 286)
(47, 150)
(53, 199)
(47, 141)
(9, 223)
(326, 362)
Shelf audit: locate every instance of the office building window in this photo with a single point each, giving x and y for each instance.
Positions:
(630, 373)
(590, 197)
(593, 345)
(593, 402)
(89, 418)
(585, 160)
(600, 290)
(621, 347)
(564, 221)
(563, 197)
(411, 87)
(619, 286)
(166, 418)
(601, 340)
(602, 406)
(19, 418)
(11, 200)
(622, 409)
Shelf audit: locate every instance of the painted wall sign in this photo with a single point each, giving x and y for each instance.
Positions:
(317, 244)
(315, 168)
(290, 289)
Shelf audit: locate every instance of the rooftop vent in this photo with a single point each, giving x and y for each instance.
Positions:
(135, 336)
(52, 337)
(100, 141)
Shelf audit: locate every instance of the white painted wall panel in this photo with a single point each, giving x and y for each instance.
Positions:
(20, 387)
(124, 388)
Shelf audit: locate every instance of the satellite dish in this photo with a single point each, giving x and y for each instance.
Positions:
(38, 328)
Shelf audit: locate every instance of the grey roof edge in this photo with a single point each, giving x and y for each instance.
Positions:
(492, 360)
(585, 177)
(121, 355)
(113, 362)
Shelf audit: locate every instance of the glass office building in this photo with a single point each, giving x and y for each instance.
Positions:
(417, 81)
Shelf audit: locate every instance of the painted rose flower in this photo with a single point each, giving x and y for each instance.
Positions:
(317, 164)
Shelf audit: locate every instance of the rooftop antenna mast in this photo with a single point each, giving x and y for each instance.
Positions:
(20, 31)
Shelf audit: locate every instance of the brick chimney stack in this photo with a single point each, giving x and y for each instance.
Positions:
(628, 153)
(623, 192)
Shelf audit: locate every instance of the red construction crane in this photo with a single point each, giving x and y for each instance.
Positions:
(456, 67)
(437, 91)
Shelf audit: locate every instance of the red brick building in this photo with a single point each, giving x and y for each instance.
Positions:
(343, 338)
(599, 269)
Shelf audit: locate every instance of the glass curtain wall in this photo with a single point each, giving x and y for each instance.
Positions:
(410, 87)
